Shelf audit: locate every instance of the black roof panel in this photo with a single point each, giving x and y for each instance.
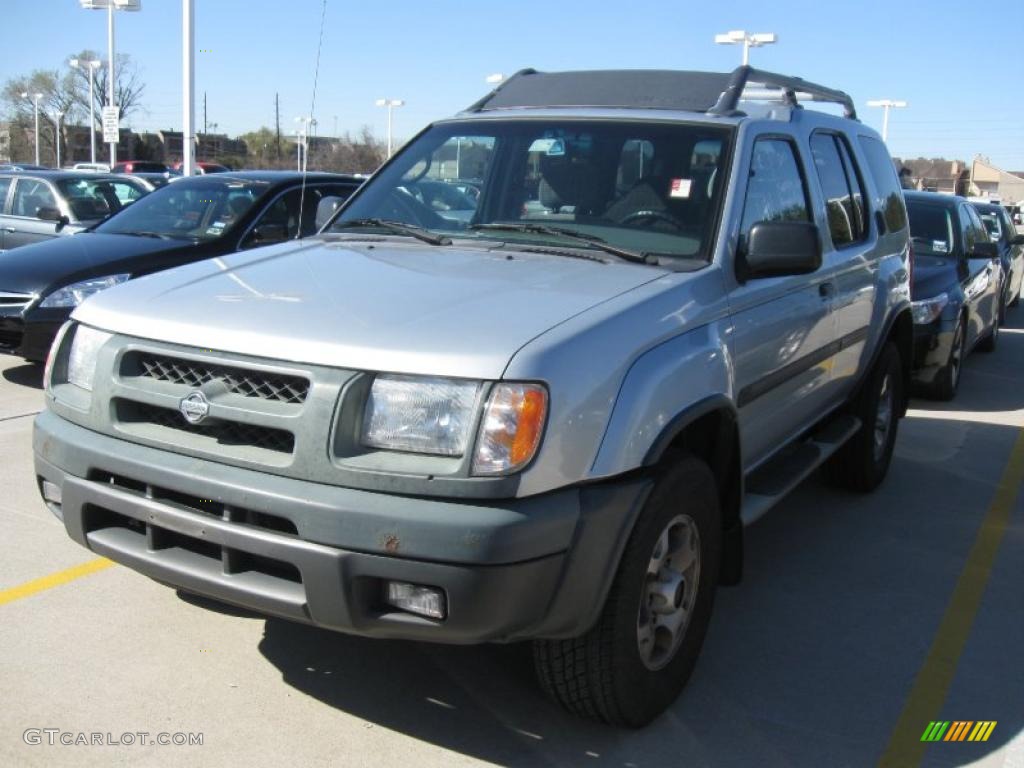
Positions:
(639, 88)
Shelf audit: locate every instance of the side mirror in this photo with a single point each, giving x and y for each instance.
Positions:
(268, 233)
(984, 250)
(326, 208)
(49, 213)
(779, 248)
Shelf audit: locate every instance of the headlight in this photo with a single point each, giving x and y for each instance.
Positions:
(926, 310)
(82, 358)
(511, 428)
(74, 294)
(421, 415)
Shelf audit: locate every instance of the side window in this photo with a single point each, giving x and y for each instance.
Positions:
(981, 234)
(30, 195)
(5, 185)
(886, 182)
(855, 182)
(775, 190)
(845, 222)
(126, 193)
(968, 230)
(280, 221)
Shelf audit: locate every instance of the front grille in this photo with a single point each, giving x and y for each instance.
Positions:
(241, 381)
(225, 433)
(16, 300)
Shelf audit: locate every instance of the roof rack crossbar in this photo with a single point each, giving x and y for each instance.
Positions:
(731, 96)
(478, 105)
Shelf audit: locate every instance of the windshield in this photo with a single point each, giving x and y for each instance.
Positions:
(650, 187)
(189, 210)
(96, 198)
(931, 229)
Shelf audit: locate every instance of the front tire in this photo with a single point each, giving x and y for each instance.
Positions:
(948, 380)
(990, 342)
(634, 662)
(862, 463)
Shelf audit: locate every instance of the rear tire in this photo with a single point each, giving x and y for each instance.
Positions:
(862, 463)
(634, 662)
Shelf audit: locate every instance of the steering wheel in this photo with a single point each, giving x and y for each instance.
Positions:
(654, 215)
(405, 207)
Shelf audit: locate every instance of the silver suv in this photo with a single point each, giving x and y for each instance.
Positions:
(549, 417)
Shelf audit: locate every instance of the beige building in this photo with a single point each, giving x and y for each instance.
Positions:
(989, 181)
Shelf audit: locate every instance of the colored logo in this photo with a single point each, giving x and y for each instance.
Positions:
(959, 730)
(194, 407)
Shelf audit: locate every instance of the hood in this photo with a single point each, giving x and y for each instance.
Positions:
(933, 275)
(53, 263)
(383, 306)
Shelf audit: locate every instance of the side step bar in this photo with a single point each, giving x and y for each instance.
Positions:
(768, 484)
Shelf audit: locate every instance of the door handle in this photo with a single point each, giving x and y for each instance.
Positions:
(826, 290)
(11, 230)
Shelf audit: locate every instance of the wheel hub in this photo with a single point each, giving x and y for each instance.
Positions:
(669, 592)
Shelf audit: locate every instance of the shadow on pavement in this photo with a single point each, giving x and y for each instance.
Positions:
(27, 375)
(808, 662)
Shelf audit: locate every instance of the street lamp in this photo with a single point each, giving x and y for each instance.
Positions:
(886, 105)
(35, 100)
(110, 6)
(91, 65)
(390, 104)
(302, 150)
(740, 37)
(56, 136)
(494, 79)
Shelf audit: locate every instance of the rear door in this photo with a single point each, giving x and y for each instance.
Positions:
(782, 326)
(23, 226)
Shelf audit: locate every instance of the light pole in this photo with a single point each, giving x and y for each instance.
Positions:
(110, 6)
(886, 105)
(740, 37)
(35, 100)
(56, 136)
(303, 134)
(188, 84)
(91, 65)
(494, 79)
(390, 104)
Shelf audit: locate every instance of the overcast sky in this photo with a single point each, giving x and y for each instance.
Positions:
(959, 65)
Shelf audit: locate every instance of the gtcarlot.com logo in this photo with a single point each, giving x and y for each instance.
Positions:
(56, 737)
(958, 730)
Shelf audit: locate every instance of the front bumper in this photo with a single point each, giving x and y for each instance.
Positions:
(932, 344)
(40, 329)
(510, 569)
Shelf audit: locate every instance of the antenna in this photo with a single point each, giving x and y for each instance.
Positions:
(312, 108)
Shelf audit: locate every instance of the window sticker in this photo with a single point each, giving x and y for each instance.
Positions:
(552, 147)
(940, 246)
(680, 188)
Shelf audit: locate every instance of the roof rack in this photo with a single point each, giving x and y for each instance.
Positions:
(790, 86)
(714, 93)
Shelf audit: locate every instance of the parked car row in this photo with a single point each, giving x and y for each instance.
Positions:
(189, 220)
(968, 267)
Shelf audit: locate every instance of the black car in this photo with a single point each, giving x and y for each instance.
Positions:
(1011, 248)
(956, 288)
(40, 205)
(189, 220)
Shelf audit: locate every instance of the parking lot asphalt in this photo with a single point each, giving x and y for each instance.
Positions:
(860, 620)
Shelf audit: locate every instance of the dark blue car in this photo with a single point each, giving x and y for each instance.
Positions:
(957, 288)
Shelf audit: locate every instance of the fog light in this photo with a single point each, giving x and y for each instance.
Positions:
(415, 598)
(52, 496)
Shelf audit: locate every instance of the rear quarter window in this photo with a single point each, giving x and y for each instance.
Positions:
(887, 184)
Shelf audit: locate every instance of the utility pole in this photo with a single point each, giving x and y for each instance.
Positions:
(277, 121)
(188, 79)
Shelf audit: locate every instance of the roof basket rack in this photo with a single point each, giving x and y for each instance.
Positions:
(789, 85)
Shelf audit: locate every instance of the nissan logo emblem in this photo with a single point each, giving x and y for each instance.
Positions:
(194, 407)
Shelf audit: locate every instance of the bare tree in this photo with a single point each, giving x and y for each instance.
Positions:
(58, 95)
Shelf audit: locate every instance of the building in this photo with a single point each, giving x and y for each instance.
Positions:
(949, 177)
(986, 180)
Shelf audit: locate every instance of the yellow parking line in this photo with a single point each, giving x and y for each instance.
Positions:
(936, 675)
(30, 588)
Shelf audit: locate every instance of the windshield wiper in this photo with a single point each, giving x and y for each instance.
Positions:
(157, 235)
(396, 227)
(637, 257)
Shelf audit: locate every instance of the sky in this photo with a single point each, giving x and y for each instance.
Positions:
(958, 66)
